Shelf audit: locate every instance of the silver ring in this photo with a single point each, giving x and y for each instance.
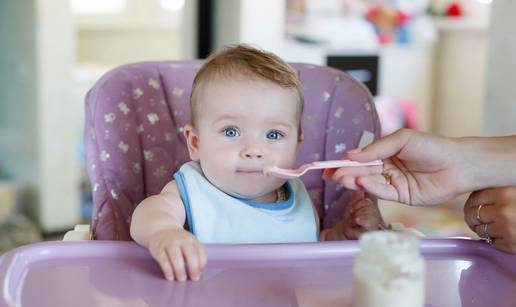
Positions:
(478, 214)
(486, 236)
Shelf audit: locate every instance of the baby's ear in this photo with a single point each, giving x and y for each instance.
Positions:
(192, 141)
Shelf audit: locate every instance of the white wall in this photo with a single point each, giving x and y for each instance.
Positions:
(57, 130)
(260, 23)
(460, 78)
(18, 92)
(37, 137)
(120, 38)
(500, 103)
(113, 47)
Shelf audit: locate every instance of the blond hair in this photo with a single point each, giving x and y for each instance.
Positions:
(243, 60)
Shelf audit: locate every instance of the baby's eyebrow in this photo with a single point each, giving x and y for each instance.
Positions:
(282, 124)
(233, 118)
(226, 118)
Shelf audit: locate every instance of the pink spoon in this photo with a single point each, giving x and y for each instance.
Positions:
(295, 173)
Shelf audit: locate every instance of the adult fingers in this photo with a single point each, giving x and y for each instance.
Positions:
(481, 214)
(328, 174)
(334, 173)
(477, 207)
(378, 186)
(493, 230)
(383, 148)
(357, 171)
(505, 245)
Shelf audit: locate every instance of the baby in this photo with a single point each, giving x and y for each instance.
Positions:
(246, 111)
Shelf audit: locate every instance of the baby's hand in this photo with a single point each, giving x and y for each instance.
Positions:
(360, 215)
(177, 251)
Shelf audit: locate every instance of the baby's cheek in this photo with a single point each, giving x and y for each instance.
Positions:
(220, 176)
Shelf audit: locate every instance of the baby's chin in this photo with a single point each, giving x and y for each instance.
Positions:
(250, 194)
(249, 189)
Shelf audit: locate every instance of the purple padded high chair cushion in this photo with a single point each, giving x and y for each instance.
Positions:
(134, 135)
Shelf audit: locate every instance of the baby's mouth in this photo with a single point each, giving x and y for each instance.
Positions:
(249, 171)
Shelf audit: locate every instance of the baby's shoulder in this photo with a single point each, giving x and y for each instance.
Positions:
(170, 189)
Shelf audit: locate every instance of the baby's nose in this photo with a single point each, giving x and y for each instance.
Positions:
(252, 152)
(253, 155)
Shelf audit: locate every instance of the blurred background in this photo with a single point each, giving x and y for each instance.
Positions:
(434, 65)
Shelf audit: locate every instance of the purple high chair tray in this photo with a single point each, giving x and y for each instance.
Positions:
(107, 273)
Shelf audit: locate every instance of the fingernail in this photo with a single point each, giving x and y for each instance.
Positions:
(359, 185)
(354, 150)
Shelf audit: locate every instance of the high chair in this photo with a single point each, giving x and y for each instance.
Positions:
(134, 136)
(134, 143)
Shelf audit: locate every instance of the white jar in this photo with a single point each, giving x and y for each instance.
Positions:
(389, 271)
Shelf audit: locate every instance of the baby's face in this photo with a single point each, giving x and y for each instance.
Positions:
(242, 126)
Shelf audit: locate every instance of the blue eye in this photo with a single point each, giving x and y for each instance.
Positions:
(274, 135)
(231, 132)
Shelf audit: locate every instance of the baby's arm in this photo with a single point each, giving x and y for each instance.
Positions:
(157, 224)
(360, 215)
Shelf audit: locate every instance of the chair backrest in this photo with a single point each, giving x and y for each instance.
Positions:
(134, 141)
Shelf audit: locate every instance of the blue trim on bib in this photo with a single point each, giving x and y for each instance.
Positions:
(180, 181)
(274, 206)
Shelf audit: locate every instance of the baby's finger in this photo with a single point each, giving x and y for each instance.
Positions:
(192, 261)
(203, 255)
(368, 222)
(361, 205)
(356, 196)
(353, 233)
(178, 263)
(164, 263)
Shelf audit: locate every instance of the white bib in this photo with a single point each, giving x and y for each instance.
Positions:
(216, 217)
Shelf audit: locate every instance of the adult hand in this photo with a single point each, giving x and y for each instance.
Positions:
(419, 168)
(495, 208)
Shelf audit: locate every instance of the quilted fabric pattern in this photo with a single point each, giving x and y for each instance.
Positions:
(134, 141)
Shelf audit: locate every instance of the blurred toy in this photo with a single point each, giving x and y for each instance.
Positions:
(454, 10)
(446, 8)
(396, 114)
(389, 22)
